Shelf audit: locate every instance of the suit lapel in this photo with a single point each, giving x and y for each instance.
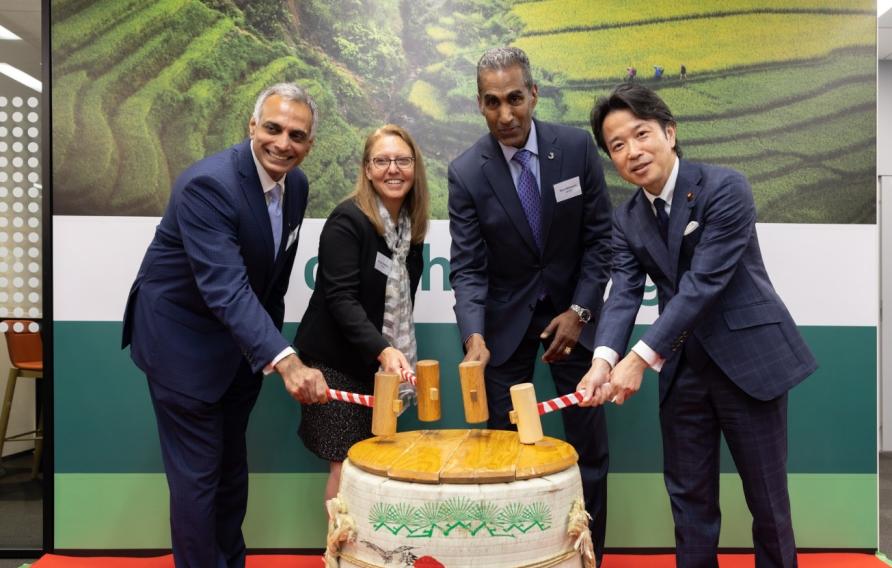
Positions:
(250, 186)
(647, 227)
(295, 199)
(496, 171)
(550, 160)
(680, 212)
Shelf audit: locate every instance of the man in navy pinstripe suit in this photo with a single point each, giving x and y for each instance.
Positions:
(725, 346)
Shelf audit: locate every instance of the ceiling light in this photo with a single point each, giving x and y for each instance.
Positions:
(17, 74)
(6, 34)
(883, 7)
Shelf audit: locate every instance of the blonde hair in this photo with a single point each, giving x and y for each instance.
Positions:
(417, 202)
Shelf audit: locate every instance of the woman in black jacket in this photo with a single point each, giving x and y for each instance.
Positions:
(359, 318)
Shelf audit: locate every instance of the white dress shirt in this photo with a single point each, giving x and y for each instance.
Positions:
(653, 359)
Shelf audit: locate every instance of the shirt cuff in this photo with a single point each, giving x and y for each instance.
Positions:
(651, 357)
(271, 368)
(465, 342)
(608, 354)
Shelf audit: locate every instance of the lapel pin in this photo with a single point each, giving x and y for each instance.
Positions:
(551, 155)
(690, 196)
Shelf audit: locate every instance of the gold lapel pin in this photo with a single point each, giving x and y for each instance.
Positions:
(690, 196)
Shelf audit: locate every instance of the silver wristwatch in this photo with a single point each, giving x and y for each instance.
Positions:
(585, 315)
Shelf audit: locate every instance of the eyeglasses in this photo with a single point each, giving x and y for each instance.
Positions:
(403, 162)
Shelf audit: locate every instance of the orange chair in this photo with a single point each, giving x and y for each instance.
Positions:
(26, 356)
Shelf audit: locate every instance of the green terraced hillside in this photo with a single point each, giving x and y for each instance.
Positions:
(782, 90)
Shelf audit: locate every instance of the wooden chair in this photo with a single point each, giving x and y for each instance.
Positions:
(26, 358)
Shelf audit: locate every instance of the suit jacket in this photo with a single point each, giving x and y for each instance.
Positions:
(343, 322)
(209, 294)
(714, 293)
(498, 271)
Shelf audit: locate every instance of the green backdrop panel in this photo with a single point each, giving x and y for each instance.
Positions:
(127, 511)
(104, 420)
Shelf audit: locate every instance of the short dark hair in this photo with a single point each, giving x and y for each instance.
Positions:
(500, 58)
(641, 101)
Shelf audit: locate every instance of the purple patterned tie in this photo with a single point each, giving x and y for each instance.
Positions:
(274, 207)
(528, 191)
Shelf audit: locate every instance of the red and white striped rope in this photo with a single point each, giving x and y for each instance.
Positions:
(408, 376)
(560, 402)
(363, 399)
(367, 399)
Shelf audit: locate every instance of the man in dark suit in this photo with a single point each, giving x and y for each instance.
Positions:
(725, 346)
(529, 219)
(204, 317)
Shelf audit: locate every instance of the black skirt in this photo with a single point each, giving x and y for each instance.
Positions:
(329, 430)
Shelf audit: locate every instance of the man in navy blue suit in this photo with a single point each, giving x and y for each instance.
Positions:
(725, 346)
(204, 316)
(529, 218)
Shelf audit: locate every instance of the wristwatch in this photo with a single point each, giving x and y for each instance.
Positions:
(585, 315)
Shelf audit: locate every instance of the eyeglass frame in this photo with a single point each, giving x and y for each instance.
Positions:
(378, 163)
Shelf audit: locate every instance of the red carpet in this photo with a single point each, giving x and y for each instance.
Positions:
(610, 561)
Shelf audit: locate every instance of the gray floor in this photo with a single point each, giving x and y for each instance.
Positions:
(885, 505)
(21, 508)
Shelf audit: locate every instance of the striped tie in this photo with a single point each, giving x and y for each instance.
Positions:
(274, 207)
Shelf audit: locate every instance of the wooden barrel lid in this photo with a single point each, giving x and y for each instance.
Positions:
(460, 456)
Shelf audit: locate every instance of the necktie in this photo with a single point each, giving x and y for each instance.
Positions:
(662, 218)
(528, 191)
(274, 207)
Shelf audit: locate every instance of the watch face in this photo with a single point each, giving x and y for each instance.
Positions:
(584, 314)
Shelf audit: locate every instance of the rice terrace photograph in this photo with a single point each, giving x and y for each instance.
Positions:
(782, 90)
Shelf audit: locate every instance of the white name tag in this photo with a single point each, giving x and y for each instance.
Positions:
(566, 189)
(292, 237)
(383, 264)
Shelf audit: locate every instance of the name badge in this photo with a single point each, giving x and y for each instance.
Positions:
(566, 189)
(383, 264)
(292, 237)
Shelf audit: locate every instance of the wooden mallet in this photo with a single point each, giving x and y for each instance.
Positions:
(387, 404)
(473, 392)
(526, 411)
(525, 414)
(427, 388)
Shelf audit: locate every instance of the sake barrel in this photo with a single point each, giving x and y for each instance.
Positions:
(454, 498)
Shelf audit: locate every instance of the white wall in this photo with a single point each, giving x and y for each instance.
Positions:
(884, 171)
(884, 118)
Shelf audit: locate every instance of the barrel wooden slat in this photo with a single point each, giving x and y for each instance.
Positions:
(544, 457)
(428, 455)
(485, 456)
(376, 455)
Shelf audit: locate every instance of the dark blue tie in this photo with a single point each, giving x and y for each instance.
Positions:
(662, 218)
(528, 191)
